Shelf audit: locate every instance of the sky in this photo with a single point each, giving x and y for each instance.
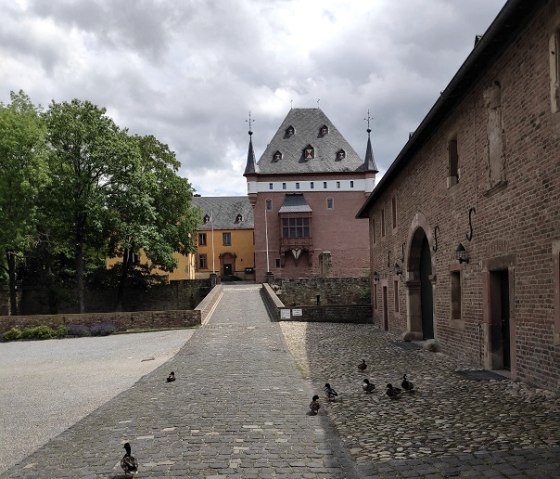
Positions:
(190, 71)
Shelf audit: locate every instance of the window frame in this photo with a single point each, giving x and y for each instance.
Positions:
(202, 239)
(226, 234)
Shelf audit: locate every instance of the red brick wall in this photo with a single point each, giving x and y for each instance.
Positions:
(514, 227)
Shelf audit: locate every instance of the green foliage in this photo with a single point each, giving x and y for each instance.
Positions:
(12, 334)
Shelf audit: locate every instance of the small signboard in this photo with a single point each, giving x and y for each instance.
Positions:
(297, 312)
(285, 314)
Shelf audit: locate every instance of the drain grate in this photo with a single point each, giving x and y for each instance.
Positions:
(480, 375)
(407, 345)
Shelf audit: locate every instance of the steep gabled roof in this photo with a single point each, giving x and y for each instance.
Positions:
(251, 166)
(307, 123)
(224, 211)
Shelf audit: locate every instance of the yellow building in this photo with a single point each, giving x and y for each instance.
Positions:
(225, 240)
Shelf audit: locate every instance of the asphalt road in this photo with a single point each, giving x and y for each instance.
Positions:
(47, 386)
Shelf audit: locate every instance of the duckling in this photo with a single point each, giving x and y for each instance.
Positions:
(314, 406)
(171, 377)
(407, 385)
(129, 463)
(362, 366)
(330, 393)
(367, 386)
(392, 392)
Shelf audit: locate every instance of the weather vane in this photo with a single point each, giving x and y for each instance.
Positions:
(291, 104)
(318, 100)
(250, 121)
(368, 119)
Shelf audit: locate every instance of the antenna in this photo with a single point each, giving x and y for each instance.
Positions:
(369, 117)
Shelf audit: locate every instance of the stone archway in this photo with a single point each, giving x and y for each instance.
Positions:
(420, 281)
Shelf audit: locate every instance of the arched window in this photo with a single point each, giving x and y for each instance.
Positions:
(290, 131)
(277, 156)
(323, 131)
(206, 218)
(340, 155)
(239, 218)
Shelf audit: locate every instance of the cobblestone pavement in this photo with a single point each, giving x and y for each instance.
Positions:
(450, 427)
(237, 410)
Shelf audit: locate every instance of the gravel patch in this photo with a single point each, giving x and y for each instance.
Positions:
(47, 386)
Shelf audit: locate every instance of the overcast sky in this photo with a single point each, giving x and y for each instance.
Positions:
(189, 71)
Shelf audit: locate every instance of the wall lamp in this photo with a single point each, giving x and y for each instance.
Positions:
(397, 269)
(461, 254)
(375, 276)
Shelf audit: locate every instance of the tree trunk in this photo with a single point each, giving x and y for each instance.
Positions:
(122, 280)
(11, 261)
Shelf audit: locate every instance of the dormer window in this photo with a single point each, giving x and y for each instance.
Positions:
(308, 152)
(239, 218)
(290, 131)
(206, 218)
(340, 155)
(277, 156)
(323, 131)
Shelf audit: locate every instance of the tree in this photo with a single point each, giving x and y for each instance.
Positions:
(90, 156)
(23, 173)
(152, 212)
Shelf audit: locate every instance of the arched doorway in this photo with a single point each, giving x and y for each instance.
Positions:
(420, 292)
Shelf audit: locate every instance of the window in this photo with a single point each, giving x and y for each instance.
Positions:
(324, 185)
(554, 45)
(453, 162)
(277, 156)
(308, 152)
(290, 131)
(239, 218)
(338, 184)
(455, 295)
(202, 262)
(382, 223)
(330, 203)
(297, 186)
(394, 211)
(295, 228)
(268, 204)
(311, 185)
(351, 184)
(201, 239)
(277, 262)
(226, 239)
(270, 186)
(283, 186)
(206, 218)
(340, 155)
(396, 288)
(323, 131)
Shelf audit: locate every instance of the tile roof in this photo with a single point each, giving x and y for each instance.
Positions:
(307, 123)
(224, 210)
(295, 203)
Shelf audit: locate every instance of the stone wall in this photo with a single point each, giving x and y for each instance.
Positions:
(304, 291)
(176, 295)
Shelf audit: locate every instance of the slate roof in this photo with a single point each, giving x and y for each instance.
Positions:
(307, 123)
(224, 210)
(295, 203)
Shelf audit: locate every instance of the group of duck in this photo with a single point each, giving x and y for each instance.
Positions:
(368, 387)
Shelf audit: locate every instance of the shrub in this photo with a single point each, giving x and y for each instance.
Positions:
(103, 329)
(12, 334)
(38, 332)
(78, 330)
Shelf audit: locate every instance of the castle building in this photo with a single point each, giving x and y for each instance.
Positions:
(305, 191)
(465, 224)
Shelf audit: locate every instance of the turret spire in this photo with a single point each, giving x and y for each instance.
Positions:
(369, 162)
(251, 167)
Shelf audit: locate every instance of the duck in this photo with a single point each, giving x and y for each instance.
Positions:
(171, 377)
(367, 386)
(392, 392)
(129, 463)
(330, 393)
(407, 385)
(314, 406)
(362, 366)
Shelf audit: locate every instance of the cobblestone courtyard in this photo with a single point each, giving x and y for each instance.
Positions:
(238, 411)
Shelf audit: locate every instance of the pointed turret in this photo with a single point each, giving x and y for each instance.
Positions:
(369, 162)
(251, 167)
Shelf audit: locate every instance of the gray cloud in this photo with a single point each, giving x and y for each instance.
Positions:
(189, 72)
